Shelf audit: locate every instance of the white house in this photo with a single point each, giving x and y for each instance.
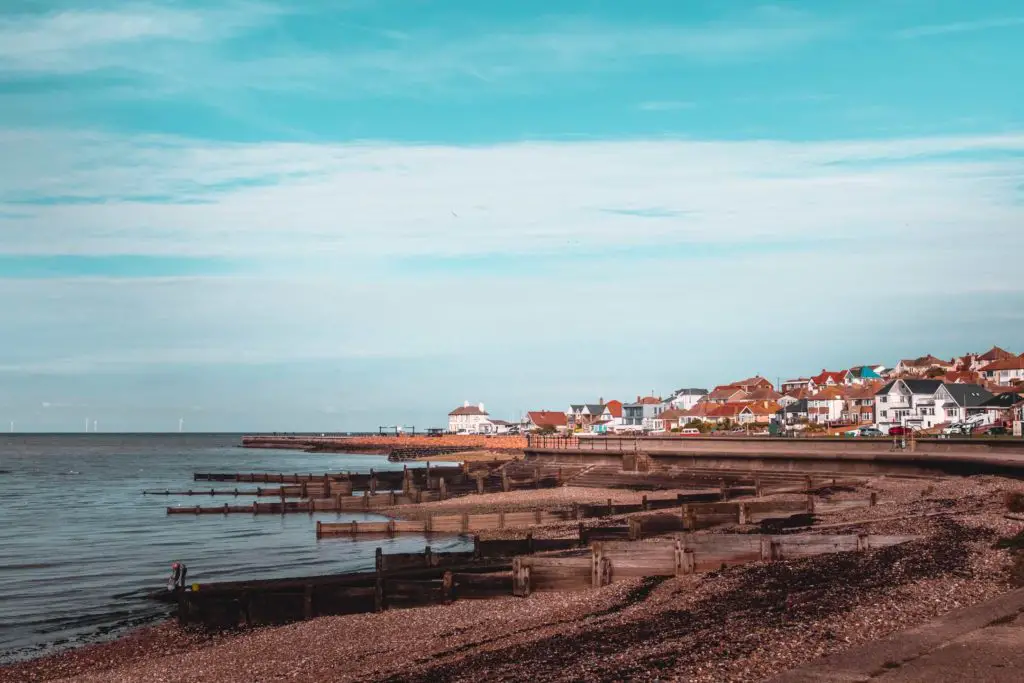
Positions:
(957, 402)
(826, 406)
(1004, 372)
(642, 412)
(908, 403)
(470, 419)
(684, 399)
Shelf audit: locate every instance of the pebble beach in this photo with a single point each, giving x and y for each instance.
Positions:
(745, 623)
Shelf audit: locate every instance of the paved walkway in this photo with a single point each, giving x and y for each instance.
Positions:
(980, 643)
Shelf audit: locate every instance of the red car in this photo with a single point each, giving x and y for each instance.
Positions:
(898, 430)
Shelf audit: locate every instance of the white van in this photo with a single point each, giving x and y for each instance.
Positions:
(689, 431)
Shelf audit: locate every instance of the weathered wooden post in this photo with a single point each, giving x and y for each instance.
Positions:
(611, 508)
(448, 587)
(644, 504)
(810, 502)
(391, 498)
(758, 492)
(576, 512)
(766, 548)
(583, 535)
(687, 521)
(520, 578)
(505, 486)
(537, 518)
(635, 533)
(443, 487)
(428, 524)
(743, 513)
(862, 542)
(724, 489)
(479, 483)
(529, 542)
(810, 483)
(874, 499)
(373, 482)
(501, 520)
(465, 522)
(378, 559)
(596, 568)
(307, 602)
(406, 482)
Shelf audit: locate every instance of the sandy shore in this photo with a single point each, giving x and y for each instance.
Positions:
(742, 624)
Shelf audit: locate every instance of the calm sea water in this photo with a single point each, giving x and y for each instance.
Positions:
(80, 546)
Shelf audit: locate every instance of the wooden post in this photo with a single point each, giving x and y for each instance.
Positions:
(391, 497)
(476, 546)
(596, 569)
(366, 500)
(757, 487)
(874, 499)
(427, 485)
(479, 483)
(537, 516)
(635, 533)
(307, 602)
(583, 535)
(529, 542)
(327, 487)
(391, 527)
(353, 528)
(379, 560)
(465, 522)
(304, 490)
(577, 514)
(743, 513)
(677, 553)
(644, 504)
(559, 480)
(520, 578)
(505, 486)
(810, 502)
(447, 587)
(378, 594)
(428, 525)
(373, 483)
(685, 513)
(810, 483)
(501, 520)
(766, 549)
(428, 557)
(536, 476)
(724, 489)
(611, 508)
(443, 488)
(862, 542)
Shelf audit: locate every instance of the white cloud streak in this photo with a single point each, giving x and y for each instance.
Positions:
(930, 30)
(173, 50)
(380, 200)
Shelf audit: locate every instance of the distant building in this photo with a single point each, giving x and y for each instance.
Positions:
(642, 412)
(538, 420)
(469, 419)
(908, 403)
(684, 399)
(1004, 372)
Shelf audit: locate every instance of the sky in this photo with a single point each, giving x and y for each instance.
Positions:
(259, 215)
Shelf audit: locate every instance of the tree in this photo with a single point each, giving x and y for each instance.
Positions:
(935, 372)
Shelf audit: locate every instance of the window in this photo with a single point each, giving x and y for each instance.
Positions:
(883, 399)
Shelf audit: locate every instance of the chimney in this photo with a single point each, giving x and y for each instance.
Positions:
(638, 398)
(601, 400)
(481, 407)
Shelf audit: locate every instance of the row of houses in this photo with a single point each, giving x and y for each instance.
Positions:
(923, 393)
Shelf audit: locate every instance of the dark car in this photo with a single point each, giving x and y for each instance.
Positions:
(899, 430)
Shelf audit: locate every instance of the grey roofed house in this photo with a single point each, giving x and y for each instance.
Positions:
(969, 395)
(1007, 399)
(916, 386)
(795, 408)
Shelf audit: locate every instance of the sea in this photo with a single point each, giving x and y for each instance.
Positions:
(81, 545)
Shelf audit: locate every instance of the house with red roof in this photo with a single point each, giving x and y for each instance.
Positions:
(1004, 372)
(919, 367)
(538, 420)
(826, 406)
(839, 378)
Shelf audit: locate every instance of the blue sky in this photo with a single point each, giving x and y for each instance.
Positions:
(336, 215)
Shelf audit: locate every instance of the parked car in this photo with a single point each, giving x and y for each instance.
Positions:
(689, 431)
(958, 429)
(869, 432)
(899, 430)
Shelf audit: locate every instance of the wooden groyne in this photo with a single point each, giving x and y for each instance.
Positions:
(428, 578)
(686, 554)
(386, 445)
